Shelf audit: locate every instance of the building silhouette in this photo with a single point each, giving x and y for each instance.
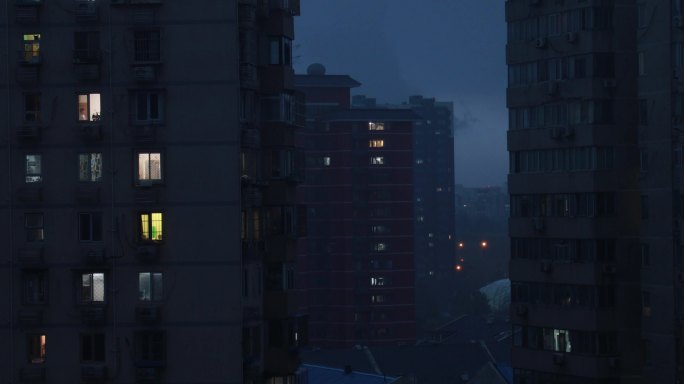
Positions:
(356, 263)
(141, 140)
(594, 137)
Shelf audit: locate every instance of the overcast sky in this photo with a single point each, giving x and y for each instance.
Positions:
(450, 49)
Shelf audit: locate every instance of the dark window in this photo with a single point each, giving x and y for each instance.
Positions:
(90, 226)
(147, 45)
(93, 348)
(33, 222)
(645, 255)
(150, 348)
(86, 47)
(149, 107)
(32, 108)
(643, 112)
(36, 349)
(644, 207)
(35, 287)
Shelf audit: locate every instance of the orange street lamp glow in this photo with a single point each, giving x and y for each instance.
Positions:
(460, 245)
(484, 244)
(458, 267)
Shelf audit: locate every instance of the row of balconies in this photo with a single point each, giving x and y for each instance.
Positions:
(90, 255)
(90, 373)
(90, 315)
(86, 194)
(87, 132)
(86, 68)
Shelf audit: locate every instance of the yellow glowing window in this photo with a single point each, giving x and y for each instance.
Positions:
(32, 48)
(376, 126)
(151, 226)
(376, 143)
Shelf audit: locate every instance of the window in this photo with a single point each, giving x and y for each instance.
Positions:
(89, 107)
(147, 45)
(644, 207)
(646, 303)
(376, 126)
(149, 168)
(93, 348)
(33, 223)
(379, 247)
(278, 108)
(281, 51)
(150, 347)
(376, 143)
(92, 288)
(90, 167)
(643, 112)
(643, 159)
(378, 281)
(645, 255)
(378, 299)
(377, 160)
(641, 63)
(35, 287)
(326, 161)
(148, 107)
(90, 226)
(31, 48)
(32, 108)
(151, 226)
(33, 168)
(86, 47)
(379, 229)
(36, 349)
(150, 286)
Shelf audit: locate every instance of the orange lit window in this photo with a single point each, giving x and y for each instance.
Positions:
(32, 48)
(376, 143)
(36, 347)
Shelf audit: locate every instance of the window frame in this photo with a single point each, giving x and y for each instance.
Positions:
(44, 285)
(89, 169)
(39, 175)
(40, 227)
(80, 288)
(139, 219)
(155, 297)
(93, 344)
(30, 346)
(34, 113)
(147, 56)
(90, 119)
(136, 163)
(147, 94)
(92, 215)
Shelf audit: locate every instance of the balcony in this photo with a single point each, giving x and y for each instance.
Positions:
(93, 315)
(87, 193)
(247, 15)
(27, 11)
(30, 317)
(148, 314)
(145, 73)
(32, 375)
(252, 197)
(291, 7)
(93, 255)
(93, 373)
(277, 78)
(89, 132)
(30, 256)
(147, 253)
(249, 77)
(87, 64)
(85, 11)
(29, 133)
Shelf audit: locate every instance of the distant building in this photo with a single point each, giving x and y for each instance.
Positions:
(356, 264)
(433, 151)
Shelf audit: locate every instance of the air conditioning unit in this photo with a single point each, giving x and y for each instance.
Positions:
(678, 21)
(144, 73)
(147, 253)
(521, 310)
(552, 88)
(93, 315)
(93, 373)
(147, 315)
(571, 37)
(609, 269)
(540, 43)
(30, 317)
(609, 83)
(92, 255)
(558, 359)
(91, 132)
(546, 266)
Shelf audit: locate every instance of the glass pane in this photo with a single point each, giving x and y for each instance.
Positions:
(143, 166)
(155, 166)
(98, 287)
(83, 107)
(156, 226)
(158, 288)
(33, 168)
(85, 224)
(83, 167)
(94, 107)
(145, 226)
(86, 287)
(86, 348)
(154, 106)
(95, 166)
(144, 286)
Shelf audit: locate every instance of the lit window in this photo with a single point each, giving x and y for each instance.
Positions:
(34, 172)
(379, 229)
(92, 287)
(89, 107)
(90, 167)
(151, 226)
(32, 108)
(377, 160)
(33, 222)
(150, 286)
(90, 226)
(379, 247)
(35, 287)
(377, 299)
(32, 48)
(148, 107)
(36, 349)
(326, 161)
(378, 281)
(376, 126)
(376, 143)
(149, 168)
(419, 161)
(93, 348)
(147, 45)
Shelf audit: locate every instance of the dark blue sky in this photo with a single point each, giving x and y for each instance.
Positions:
(449, 49)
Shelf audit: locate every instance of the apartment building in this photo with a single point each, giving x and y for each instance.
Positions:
(121, 192)
(595, 144)
(356, 264)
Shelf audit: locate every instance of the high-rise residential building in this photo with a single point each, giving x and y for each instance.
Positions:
(356, 263)
(594, 186)
(121, 195)
(433, 181)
